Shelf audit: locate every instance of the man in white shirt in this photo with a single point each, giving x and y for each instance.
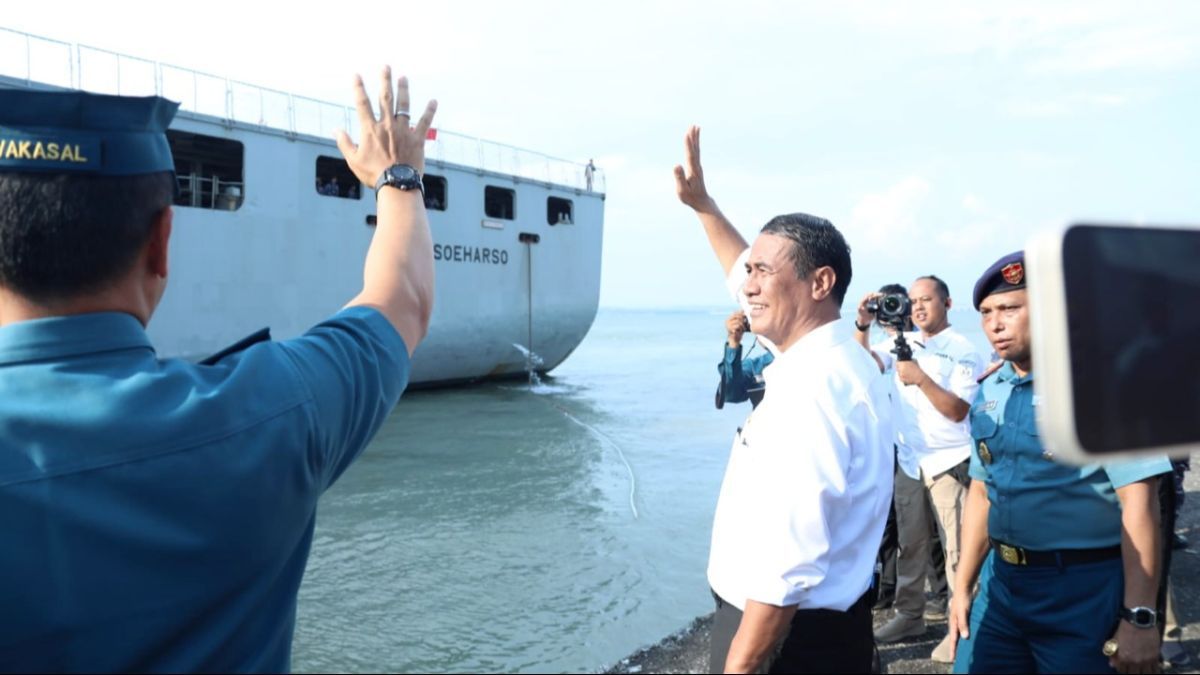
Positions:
(933, 440)
(806, 491)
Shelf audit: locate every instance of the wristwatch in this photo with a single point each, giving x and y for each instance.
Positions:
(1140, 617)
(400, 176)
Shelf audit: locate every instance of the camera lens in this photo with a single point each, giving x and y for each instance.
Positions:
(891, 304)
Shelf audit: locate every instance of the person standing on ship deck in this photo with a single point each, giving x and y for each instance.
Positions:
(806, 492)
(158, 514)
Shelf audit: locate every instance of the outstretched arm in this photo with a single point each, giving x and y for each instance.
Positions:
(398, 273)
(726, 242)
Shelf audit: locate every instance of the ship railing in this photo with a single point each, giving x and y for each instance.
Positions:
(209, 192)
(38, 60)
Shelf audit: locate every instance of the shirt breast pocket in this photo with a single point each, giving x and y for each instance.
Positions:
(984, 436)
(983, 425)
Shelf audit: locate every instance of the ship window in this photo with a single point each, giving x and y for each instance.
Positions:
(498, 202)
(435, 192)
(335, 179)
(208, 170)
(560, 211)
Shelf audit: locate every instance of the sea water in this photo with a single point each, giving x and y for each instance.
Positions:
(520, 527)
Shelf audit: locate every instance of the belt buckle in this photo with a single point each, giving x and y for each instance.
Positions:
(1012, 555)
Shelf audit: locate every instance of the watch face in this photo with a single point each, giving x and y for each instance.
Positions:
(404, 174)
(401, 176)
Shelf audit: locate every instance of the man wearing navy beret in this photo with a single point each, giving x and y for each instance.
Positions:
(1066, 557)
(156, 514)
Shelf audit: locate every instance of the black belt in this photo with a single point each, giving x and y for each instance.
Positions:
(1015, 555)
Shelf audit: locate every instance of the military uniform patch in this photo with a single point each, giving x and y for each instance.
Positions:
(1013, 273)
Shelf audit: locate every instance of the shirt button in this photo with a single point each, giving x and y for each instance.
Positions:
(1046, 454)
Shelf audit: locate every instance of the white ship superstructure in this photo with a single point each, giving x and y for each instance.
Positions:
(271, 228)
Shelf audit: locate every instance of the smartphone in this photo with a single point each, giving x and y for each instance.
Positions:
(1115, 328)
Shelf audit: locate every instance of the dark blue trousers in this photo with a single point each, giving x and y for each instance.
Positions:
(1052, 619)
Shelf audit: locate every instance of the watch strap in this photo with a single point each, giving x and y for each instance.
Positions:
(389, 177)
(1140, 617)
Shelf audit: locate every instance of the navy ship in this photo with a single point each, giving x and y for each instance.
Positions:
(271, 227)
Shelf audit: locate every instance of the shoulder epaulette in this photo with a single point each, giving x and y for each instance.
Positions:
(262, 335)
(988, 373)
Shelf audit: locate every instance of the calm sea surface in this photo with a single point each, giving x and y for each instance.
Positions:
(518, 528)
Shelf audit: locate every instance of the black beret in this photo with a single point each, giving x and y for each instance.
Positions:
(1006, 274)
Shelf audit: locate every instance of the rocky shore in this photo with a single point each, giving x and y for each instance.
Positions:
(687, 650)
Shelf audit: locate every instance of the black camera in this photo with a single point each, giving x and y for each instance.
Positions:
(893, 309)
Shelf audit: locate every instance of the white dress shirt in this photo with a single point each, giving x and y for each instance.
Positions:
(806, 493)
(926, 439)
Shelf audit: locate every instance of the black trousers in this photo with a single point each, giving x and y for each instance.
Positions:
(888, 548)
(819, 641)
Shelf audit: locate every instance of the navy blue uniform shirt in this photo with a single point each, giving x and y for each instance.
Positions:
(1037, 502)
(741, 378)
(157, 514)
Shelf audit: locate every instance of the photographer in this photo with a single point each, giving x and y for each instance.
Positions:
(933, 440)
(741, 379)
(939, 586)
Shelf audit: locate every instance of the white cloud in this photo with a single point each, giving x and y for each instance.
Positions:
(889, 219)
(1063, 105)
(1146, 47)
(1057, 38)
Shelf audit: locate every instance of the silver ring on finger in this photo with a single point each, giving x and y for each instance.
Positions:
(402, 113)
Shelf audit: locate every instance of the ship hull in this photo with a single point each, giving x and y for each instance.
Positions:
(287, 257)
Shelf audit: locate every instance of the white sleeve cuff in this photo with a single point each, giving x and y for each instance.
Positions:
(737, 277)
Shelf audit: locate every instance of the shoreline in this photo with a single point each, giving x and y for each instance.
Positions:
(686, 650)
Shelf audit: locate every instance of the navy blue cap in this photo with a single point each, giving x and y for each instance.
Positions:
(1006, 274)
(80, 132)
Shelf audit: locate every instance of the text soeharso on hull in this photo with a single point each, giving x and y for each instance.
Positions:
(472, 254)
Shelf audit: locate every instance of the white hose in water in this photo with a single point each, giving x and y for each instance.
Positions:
(604, 438)
(532, 360)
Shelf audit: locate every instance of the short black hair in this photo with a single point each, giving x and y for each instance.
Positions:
(64, 234)
(942, 288)
(815, 243)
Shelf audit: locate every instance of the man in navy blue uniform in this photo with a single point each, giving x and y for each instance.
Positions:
(1066, 557)
(157, 514)
(741, 378)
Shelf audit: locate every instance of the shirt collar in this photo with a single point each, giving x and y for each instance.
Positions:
(1008, 373)
(75, 335)
(818, 339)
(936, 339)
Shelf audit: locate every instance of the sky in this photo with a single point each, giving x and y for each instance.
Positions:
(937, 136)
